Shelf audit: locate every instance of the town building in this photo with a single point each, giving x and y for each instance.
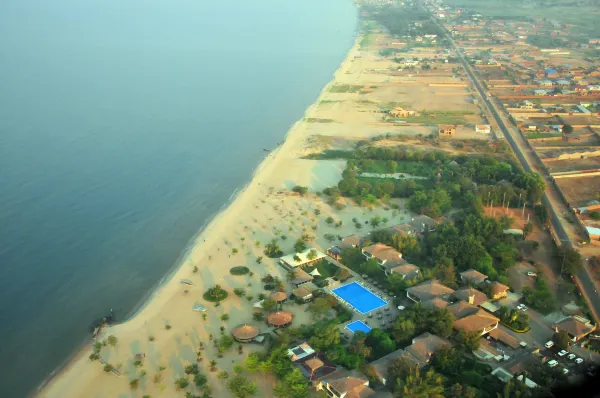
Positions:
(428, 290)
(576, 327)
(472, 276)
(407, 271)
(447, 129)
(303, 259)
(483, 128)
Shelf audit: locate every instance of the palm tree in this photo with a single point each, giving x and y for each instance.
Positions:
(213, 365)
(201, 345)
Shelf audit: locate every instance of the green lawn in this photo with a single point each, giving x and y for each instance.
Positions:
(345, 88)
(409, 167)
(326, 269)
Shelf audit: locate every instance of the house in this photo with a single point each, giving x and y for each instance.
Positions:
(487, 352)
(401, 112)
(527, 105)
(540, 92)
(483, 128)
(506, 375)
(417, 225)
(407, 271)
(434, 303)
(498, 290)
(304, 292)
(545, 83)
(296, 260)
(447, 129)
(550, 73)
(505, 338)
(387, 257)
(470, 319)
(419, 353)
(335, 253)
(471, 296)
(345, 384)
(301, 277)
(472, 276)
(563, 83)
(428, 290)
(350, 241)
(301, 351)
(576, 327)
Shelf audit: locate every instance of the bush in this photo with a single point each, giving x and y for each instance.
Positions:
(239, 270)
(215, 294)
(300, 189)
(239, 291)
(595, 215)
(182, 383)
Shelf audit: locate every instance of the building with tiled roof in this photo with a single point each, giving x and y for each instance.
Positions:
(407, 271)
(481, 321)
(428, 290)
(346, 384)
(575, 326)
(434, 303)
(471, 296)
(472, 276)
(498, 290)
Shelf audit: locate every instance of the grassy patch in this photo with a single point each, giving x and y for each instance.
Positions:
(414, 168)
(533, 136)
(239, 270)
(318, 120)
(330, 154)
(345, 88)
(326, 269)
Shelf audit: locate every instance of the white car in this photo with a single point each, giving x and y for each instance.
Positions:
(552, 363)
(562, 353)
(531, 273)
(522, 307)
(549, 344)
(571, 356)
(579, 360)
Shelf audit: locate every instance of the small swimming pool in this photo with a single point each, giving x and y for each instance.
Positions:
(358, 326)
(359, 297)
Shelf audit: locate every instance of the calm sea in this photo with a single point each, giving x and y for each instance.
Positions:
(125, 125)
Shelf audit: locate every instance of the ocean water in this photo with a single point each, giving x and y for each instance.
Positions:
(125, 125)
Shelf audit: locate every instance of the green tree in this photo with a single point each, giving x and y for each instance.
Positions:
(112, 340)
(269, 305)
(403, 330)
(272, 249)
(567, 129)
(571, 260)
(325, 337)
(527, 229)
(200, 380)
(312, 254)
(359, 346)
(182, 383)
(241, 387)
(293, 385)
(399, 368)
(225, 342)
(415, 385)
(319, 307)
(380, 342)
(562, 340)
(300, 189)
(300, 245)
(392, 166)
(469, 341)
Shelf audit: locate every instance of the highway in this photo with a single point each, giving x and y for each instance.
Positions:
(566, 231)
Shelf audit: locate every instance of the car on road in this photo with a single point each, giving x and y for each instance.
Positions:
(549, 344)
(571, 356)
(562, 353)
(579, 360)
(552, 363)
(522, 307)
(531, 273)
(565, 370)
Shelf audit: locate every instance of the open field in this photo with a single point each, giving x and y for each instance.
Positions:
(580, 191)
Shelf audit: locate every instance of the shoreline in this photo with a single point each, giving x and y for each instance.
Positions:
(152, 302)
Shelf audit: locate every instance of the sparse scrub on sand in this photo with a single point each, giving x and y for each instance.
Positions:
(318, 120)
(300, 189)
(345, 88)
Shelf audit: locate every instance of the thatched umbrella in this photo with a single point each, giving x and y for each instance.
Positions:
(280, 319)
(245, 333)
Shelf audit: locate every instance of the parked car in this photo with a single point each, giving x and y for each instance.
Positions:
(571, 356)
(552, 363)
(579, 360)
(531, 273)
(565, 370)
(522, 307)
(562, 353)
(549, 344)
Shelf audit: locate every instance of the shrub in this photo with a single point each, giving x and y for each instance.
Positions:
(191, 369)
(182, 383)
(239, 270)
(108, 367)
(239, 291)
(595, 215)
(215, 294)
(134, 384)
(300, 189)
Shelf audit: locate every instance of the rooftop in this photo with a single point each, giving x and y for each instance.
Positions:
(429, 290)
(289, 259)
(470, 295)
(473, 275)
(245, 332)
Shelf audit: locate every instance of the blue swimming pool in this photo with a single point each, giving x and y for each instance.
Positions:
(358, 326)
(359, 297)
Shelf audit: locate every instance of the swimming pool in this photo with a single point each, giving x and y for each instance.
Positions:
(359, 297)
(358, 326)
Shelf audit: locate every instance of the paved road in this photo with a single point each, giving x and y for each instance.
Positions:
(557, 208)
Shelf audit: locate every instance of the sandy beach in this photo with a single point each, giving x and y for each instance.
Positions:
(260, 209)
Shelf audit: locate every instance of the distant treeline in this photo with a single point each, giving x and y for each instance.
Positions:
(400, 21)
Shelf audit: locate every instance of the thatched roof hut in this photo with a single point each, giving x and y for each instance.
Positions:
(279, 297)
(245, 333)
(280, 319)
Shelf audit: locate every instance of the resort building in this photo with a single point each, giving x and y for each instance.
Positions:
(279, 297)
(470, 295)
(469, 318)
(417, 225)
(351, 241)
(301, 277)
(300, 352)
(419, 353)
(245, 333)
(401, 112)
(296, 260)
(483, 128)
(280, 319)
(472, 276)
(335, 253)
(345, 384)
(407, 271)
(387, 257)
(498, 290)
(434, 303)
(304, 292)
(576, 327)
(428, 290)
